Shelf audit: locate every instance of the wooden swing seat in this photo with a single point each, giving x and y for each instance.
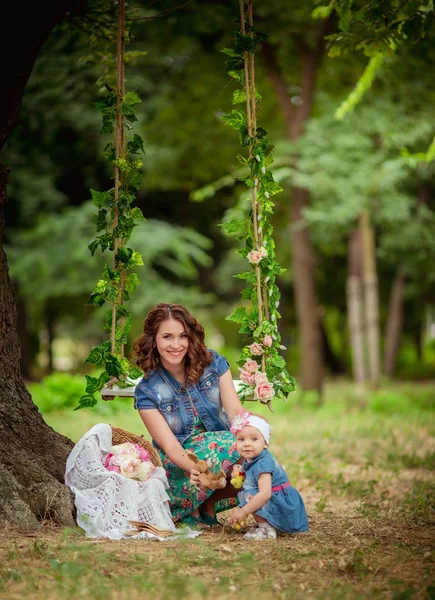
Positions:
(109, 393)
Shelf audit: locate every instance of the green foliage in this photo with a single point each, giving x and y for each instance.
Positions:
(258, 318)
(61, 391)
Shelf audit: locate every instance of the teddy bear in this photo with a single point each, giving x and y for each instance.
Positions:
(237, 476)
(207, 478)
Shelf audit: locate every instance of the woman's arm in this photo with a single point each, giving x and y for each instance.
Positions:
(229, 398)
(165, 439)
(255, 502)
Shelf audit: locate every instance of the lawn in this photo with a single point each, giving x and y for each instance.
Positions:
(364, 469)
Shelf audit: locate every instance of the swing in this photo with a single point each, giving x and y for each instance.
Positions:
(260, 321)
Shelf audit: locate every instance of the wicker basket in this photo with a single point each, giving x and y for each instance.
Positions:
(119, 436)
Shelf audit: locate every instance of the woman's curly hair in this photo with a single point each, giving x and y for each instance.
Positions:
(145, 349)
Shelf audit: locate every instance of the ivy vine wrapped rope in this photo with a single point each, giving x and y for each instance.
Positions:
(263, 370)
(115, 221)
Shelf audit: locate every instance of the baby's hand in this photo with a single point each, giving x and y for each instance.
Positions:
(237, 518)
(194, 478)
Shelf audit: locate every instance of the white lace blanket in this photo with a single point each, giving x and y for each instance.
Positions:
(105, 500)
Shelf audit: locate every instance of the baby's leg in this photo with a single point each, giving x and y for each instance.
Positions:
(263, 531)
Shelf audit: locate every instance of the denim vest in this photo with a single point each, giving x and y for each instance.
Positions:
(161, 391)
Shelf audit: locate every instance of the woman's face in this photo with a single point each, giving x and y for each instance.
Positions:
(172, 343)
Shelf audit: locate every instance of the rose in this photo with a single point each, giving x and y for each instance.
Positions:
(118, 459)
(250, 365)
(256, 256)
(113, 468)
(264, 391)
(130, 467)
(144, 455)
(145, 470)
(267, 340)
(126, 448)
(108, 460)
(255, 349)
(247, 377)
(260, 378)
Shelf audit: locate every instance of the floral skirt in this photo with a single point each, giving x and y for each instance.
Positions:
(216, 447)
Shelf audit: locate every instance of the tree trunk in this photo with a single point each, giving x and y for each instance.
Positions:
(394, 324)
(23, 336)
(355, 307)
(371, 299)
(307, 306)
(312, 366)
(32, 455)
(50, 324)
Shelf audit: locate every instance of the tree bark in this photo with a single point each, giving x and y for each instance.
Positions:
(394, 324)
(371, 299)
(32, 455)
(307, 304)
(355, 307)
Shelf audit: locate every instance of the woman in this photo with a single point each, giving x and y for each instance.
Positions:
(186, 400)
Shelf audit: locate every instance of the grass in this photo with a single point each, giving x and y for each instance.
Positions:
(364, 470)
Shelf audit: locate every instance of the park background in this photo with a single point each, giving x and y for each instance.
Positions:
(362, 453)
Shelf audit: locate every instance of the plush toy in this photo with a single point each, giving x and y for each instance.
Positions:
(207, 478)
(237, 476)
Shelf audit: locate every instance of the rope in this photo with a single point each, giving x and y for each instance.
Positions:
(119, 153)
(251, 114)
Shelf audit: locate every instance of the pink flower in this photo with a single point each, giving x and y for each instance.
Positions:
(247, 377)
(251, 366)
(260, 378)
(240, 420)
(255, 349)
(113, 468)
(108, 460)
(268, 340)
(212, 445)
(118, 459)
(256, 256)
(130, 468)
(145, 470)
(144, 455)
(264, 391)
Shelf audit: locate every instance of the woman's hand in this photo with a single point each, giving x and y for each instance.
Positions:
(238, 517)
(194, 478)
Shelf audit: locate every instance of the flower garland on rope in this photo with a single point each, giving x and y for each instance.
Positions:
(262, 369)
(115, 222)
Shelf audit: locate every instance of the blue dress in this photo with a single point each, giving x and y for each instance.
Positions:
(285, 510)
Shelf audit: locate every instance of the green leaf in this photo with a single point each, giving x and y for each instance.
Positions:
(134, 373)
(230, 52)
(124, 254)
(113, 366)
(232, 226)
(86, 401)
(131, 98)
(96, 355)
(136, 214)
(135, 145)
(98, 198)
(238, 316)
(235, 119)
(239, 96)
(100, 219)
(131, 282)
